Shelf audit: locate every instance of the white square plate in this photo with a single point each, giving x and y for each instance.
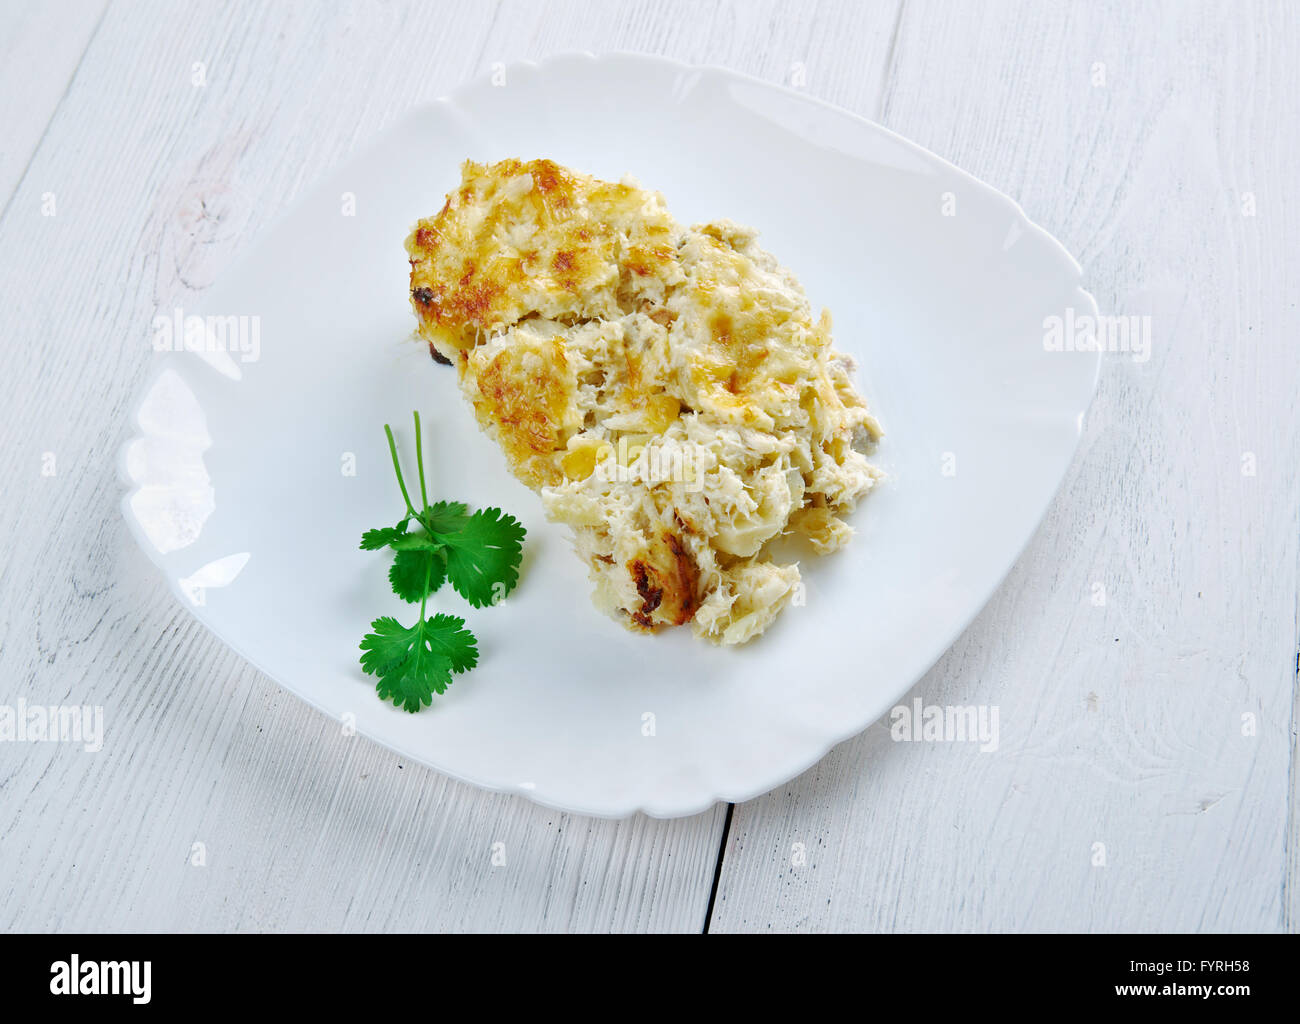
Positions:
(939, 286)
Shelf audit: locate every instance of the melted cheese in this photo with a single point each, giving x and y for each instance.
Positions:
(520, 239)
(665, 389)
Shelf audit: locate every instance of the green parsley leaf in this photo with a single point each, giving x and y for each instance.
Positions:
(483, 556)
(373, 540)
(413, 664)
(417, 574)
(479, 553)
(417, 541)
(444, 516)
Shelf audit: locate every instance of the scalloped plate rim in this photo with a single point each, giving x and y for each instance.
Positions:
(668, 807)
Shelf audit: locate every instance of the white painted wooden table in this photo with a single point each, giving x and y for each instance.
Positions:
(1159, 142)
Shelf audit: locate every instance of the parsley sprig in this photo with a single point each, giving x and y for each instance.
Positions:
(478, 554)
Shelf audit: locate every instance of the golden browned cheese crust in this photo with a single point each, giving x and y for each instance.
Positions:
(665, 389)
(524, 398)
(521, 238)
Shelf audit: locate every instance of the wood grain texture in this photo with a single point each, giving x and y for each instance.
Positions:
(160, 183)
(1120, 723)
(42, 45)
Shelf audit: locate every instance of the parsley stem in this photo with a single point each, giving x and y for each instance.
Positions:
(428, 575)
(397, 466)
(419, 461)
(424, 503)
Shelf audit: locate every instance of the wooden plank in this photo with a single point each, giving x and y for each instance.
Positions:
(42, 46)
(159, 183)
(1121, 723)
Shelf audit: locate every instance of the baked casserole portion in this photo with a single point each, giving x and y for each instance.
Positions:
(667, 390)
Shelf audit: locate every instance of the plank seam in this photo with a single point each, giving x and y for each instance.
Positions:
(717, 867)
(67, 88)
(883, 99)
